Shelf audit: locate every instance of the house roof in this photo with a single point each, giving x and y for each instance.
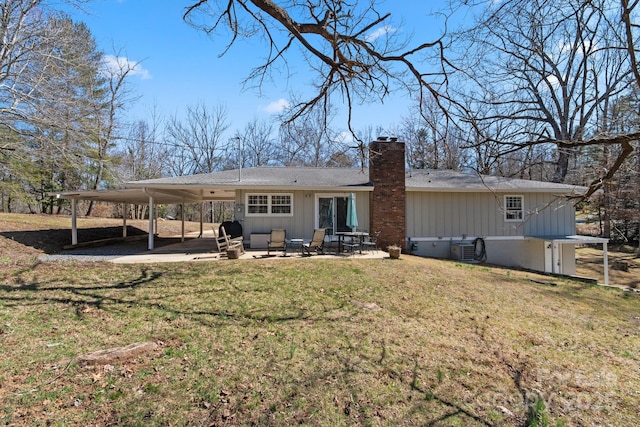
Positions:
(349, 179)
(222, 185)
(451, 181)
(268, 177)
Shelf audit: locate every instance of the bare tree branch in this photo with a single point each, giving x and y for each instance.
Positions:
(338, 43)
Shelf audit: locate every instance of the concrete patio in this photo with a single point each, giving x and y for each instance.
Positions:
(204, 249)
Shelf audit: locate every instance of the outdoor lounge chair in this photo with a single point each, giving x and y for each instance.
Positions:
(316, 243)
(277, 241)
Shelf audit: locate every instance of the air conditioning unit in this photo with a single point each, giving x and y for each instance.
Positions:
(463, 251)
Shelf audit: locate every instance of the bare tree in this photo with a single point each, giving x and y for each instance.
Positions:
(257, 142)
(142, 156)
(433, 142)
(545, 71)
(24, 34)
(198, 138)
(311, 140)
(352, 47)
(20, 29)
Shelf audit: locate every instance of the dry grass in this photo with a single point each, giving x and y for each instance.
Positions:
(315, 342)
(589, 264)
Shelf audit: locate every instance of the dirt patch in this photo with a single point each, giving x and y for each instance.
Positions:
(589, 264)
(52, 241)
(23, 237)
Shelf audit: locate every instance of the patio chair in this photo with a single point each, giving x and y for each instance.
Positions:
(371, 242)
(351, 244)
(235, 242)
(224, 242)
(277, 241)
(316, 243)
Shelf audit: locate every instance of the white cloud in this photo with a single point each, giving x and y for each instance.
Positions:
(345, 137)
(116, 64)
(553, 81)
(277, 106)
(380, 32)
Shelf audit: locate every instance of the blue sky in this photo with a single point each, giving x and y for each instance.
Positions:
(180, 66)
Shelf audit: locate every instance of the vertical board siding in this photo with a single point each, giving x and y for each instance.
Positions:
(439, 214)
(302, 223)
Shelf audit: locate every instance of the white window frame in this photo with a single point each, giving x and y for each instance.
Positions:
(512, 214)
(270, 205)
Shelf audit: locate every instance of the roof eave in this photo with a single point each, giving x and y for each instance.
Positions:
(563, 191)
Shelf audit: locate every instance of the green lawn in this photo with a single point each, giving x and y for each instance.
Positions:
(314, 342)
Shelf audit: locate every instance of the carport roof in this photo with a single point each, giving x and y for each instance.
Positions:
(268, 177)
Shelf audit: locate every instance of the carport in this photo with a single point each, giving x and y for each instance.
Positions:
(144, 196)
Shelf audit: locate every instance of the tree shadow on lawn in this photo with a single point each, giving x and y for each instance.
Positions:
(93, 295)
(97, 295)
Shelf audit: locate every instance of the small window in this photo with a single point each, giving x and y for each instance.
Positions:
(270, 204)
(281, 204)
(257, 204)
(513, 208)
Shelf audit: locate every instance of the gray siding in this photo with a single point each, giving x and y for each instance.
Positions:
(438, 214)
(302, 223)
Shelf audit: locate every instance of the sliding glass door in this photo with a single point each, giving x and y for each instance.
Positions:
(332, 213)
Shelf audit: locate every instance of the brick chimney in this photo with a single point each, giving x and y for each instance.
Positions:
(387, 201)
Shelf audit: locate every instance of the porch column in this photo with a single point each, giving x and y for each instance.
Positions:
(151, 213)
(201, 219)
(125, 214)
(74, 222)
(182, 218)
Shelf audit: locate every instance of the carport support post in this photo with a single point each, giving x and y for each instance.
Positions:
(182, 218)
(201, 219)
(151, 213)
(125, 214)
(74, 222)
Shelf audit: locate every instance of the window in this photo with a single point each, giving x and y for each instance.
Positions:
(513, 208)
(269, 204)
(257, 204)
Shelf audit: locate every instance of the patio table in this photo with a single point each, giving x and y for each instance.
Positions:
(359, 235)
(296, 244)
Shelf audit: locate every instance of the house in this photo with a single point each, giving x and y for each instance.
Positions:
(444, 214)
